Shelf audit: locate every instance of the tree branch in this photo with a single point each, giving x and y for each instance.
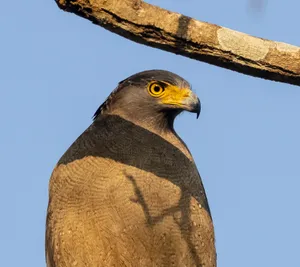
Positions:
(179, 34)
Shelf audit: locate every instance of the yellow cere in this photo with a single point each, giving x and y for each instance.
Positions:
(171, 94)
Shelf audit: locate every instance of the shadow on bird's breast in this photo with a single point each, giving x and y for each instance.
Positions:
(120, 140)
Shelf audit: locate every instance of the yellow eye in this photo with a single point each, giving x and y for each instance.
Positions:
(156, 89)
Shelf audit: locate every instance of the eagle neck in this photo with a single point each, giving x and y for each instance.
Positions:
(161, 125)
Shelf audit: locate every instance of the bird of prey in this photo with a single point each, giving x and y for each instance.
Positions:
(127, 192)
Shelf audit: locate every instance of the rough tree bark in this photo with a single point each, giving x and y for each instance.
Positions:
(179, 34)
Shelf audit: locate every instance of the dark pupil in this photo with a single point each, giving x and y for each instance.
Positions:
(156, 89)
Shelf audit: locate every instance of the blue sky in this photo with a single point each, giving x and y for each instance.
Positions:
(56, 69)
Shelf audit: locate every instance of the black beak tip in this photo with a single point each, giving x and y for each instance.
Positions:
(198, 108)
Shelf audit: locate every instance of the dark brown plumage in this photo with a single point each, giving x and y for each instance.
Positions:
(127, 192)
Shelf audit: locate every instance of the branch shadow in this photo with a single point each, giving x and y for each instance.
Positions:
(184, 221)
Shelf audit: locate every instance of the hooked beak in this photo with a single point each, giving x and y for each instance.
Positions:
(192, 103)
(182, 98)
